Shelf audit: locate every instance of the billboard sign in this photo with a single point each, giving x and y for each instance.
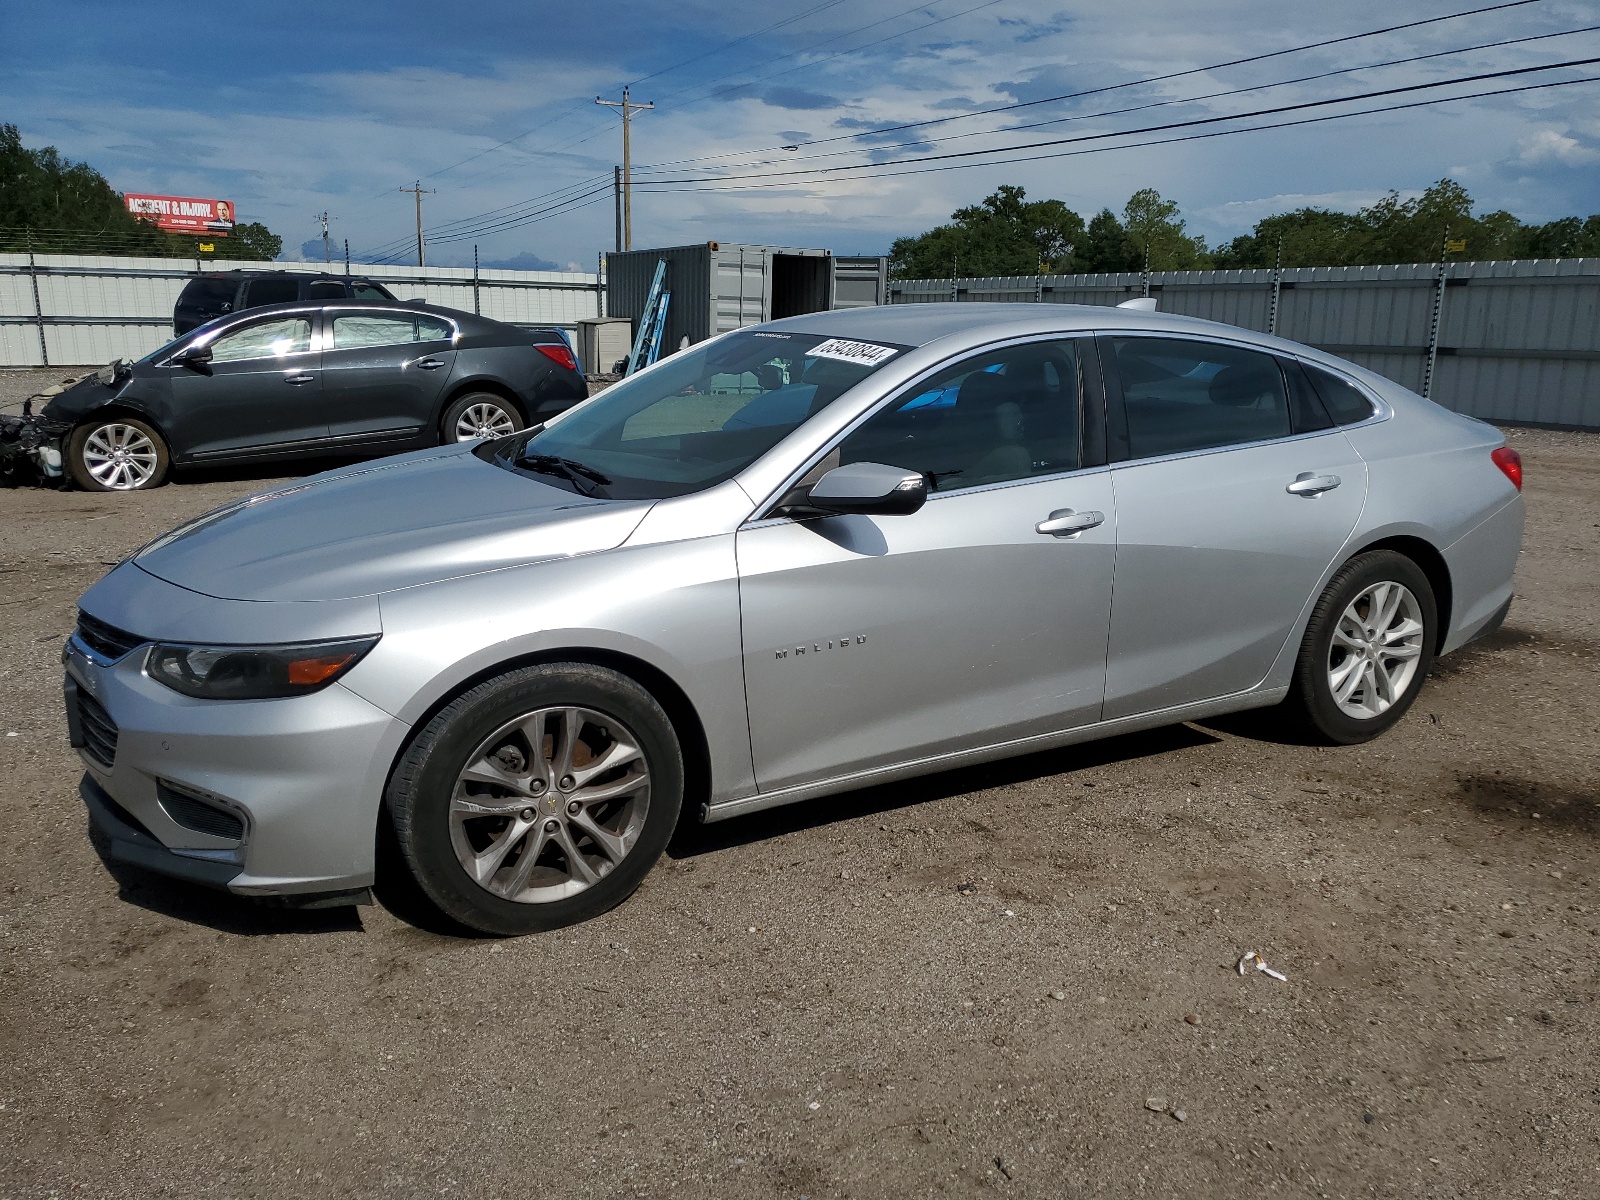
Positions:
(184, 214)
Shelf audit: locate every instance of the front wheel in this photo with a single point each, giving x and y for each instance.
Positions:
(1367, 649)
(480, 415)
(116, 454)
(539, 798)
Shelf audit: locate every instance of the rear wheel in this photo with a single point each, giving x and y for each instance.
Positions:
(117, 454)
(538, 799)
(480, 415)
(1367, 649)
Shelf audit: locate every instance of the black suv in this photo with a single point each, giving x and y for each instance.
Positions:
(217, 293)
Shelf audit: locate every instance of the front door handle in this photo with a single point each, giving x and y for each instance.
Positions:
(1064, 523)
(303, 377)
(1311, 486)
(430, 364)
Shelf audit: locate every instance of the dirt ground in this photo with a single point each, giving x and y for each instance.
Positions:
(980, 983)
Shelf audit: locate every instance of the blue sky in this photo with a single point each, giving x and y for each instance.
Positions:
(291, 108)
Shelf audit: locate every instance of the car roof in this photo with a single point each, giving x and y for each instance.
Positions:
(919, 324)
(237, 272)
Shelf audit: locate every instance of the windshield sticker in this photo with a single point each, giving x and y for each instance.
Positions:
(862, 353)
(781, 336)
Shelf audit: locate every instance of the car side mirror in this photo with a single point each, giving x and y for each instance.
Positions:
(865, 489)
(196, 358)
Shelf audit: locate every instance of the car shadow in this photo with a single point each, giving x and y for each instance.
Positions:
(692, 838)
(217, 909)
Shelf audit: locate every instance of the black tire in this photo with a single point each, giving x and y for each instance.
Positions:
(1311, 704)
(145, 468)
(508, 421)
(420, 792)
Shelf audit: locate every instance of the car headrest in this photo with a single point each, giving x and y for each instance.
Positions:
(1241, 386)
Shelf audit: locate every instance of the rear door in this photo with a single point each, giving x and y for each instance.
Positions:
(383, 370)
(263, 389)
(1234, 494)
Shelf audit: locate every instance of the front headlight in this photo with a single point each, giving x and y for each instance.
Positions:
(254, 672)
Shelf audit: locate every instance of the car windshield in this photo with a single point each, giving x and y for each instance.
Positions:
(697, 419)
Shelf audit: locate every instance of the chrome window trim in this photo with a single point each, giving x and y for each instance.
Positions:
(1381, 409)
(900, 393)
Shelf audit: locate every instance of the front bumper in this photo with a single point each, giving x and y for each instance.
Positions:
(30, 448)
(287, 791)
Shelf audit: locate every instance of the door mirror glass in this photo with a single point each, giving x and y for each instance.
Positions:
(869, 489)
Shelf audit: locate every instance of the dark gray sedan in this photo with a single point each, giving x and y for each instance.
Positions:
(306, 380)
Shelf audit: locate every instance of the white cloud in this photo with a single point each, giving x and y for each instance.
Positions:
(1548, 148)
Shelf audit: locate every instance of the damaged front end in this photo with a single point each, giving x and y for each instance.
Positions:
(31, 446)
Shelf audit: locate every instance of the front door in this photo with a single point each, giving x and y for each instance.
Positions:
(871, 641)
(383, 371)
(262, 388)
(1235, 497)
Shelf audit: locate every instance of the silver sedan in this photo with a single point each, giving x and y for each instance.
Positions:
(794, 560)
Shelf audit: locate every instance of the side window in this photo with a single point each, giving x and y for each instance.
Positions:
(1182, 395)
(271, 291)
(362, 290)
(1345, 402)
(355, 331)
(325, 289)
(265, 339)
(432, 329)
(1003, 415)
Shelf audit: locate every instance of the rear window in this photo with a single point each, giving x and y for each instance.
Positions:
(209, 295)
(271, 291)
(1344, 401)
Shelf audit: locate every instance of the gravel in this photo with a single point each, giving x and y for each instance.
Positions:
(828, 1000)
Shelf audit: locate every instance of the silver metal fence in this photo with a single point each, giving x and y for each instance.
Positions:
(1515, 341)
(78, 310)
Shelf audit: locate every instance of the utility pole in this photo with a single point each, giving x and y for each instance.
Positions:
(627, 107)
(420, 192)
(616, 195)
(327, 251)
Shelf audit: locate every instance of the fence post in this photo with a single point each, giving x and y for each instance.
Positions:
(477, 311)
(600, 284)
(1433, 331)
(38, 309)
(1277, 288)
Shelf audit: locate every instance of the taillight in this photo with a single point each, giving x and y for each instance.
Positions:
(558, 353)
(1509, 461)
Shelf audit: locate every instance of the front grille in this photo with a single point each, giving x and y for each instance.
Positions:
(99, 730)
(106, 640)
(199, 815)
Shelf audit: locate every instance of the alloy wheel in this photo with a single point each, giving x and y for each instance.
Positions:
(120, 457)
(549, 804)
(483, 420)
(1375, 650)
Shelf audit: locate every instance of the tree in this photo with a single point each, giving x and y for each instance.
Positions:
(1004, 234)
(1108, 248)
(1155, 227)
(51, 204)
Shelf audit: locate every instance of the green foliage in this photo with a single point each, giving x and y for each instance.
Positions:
(52, 205)
(1006, 234)
(1155, 227)
(1108, 247)
(1406, 231)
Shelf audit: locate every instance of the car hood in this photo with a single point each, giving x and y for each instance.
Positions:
(415, 519)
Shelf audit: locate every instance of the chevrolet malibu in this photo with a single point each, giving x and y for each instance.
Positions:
(796, 559)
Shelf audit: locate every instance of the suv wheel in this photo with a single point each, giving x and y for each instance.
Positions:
(119, 454)
(539, 798)
(480, 415)
(1367, 649)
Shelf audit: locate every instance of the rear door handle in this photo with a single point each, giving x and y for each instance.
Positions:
(303, 377)
(430, 364)
(1311, 486)
(1064, 523)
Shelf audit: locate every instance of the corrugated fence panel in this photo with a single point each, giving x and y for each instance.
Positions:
(1516, 341)
(96, 308)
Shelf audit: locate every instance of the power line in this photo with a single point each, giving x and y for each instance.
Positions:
(963, 154)
(1236, 62)
(1257, 87)
(1193, 137)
